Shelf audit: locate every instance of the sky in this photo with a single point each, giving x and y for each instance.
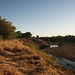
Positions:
(40, 17)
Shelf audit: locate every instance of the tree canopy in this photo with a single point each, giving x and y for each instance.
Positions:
(27, 35)
(7, 31)
(19, 34)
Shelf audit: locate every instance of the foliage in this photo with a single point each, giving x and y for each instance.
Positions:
(27, 35)
(49, 60)
(19, 34)
(37, 36)
(31, 46)
(7, 31)
(59, 39)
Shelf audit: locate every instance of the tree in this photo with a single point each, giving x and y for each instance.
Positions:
(19, 34)
(27, 35)
(37, 36)
(7, 31)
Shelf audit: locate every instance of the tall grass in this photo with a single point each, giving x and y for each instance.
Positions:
(49, 60)
(17, 58)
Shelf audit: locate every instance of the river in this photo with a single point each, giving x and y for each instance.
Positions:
(65, 63)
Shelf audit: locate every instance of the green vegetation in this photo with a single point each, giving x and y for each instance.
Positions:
(59, 39)
(27, 35)
(18, 34)
(7, 31)
(31, 46)
(49, 60)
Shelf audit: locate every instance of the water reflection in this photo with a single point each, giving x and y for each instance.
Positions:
(65, 63)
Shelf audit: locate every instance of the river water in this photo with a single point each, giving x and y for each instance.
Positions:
(65, 63)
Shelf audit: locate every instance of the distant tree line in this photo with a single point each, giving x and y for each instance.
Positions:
(23, 35)
(59, 39)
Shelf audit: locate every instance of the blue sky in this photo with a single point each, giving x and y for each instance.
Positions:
(40, 17)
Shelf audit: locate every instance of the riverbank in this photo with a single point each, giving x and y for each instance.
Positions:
(64, 51)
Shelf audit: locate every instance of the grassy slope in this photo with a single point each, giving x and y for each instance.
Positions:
(17, 57)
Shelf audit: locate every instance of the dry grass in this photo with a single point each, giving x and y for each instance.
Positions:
(19, 59)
